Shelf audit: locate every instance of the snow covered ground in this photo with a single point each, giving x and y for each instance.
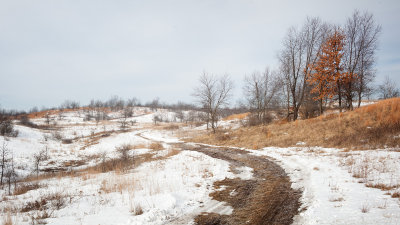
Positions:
(156, 192)
(173, 185)
(334, 184)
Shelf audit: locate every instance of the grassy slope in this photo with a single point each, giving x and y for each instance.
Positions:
(369, 127)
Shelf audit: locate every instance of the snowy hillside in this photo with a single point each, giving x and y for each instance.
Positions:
(98, 172)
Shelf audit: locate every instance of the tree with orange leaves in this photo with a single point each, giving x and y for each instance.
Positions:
(326, 76)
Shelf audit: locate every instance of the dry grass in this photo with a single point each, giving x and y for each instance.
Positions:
(240, 116)
(139, 146)
(396, 194)
(25, 187)
(172, 152)
(94, 138)
(383, 187)
(171, 127)
(119, 165)
(365, 208)
(43, 113)
(45, 176)
(135, 208)
(336, 199)
(373, 126)
(7, 220)
(117, 184)
(51, 201)
(156, 146)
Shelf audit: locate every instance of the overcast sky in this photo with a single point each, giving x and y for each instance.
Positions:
(51, 51)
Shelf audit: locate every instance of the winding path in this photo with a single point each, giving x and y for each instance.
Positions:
(266, 199)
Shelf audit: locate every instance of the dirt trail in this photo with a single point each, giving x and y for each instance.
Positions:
(266, 199)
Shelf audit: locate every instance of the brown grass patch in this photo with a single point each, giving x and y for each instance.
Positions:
(95, 138)
(396, 194)
(369, 127)
(172, 152)
(25, 187)
(156, 146)
(171, 127)
(117, 184)
(240, 116)
(383, 187)
(139, 146)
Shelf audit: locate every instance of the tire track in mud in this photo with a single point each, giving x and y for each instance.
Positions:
(267, 198)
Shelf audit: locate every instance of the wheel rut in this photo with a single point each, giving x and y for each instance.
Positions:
(267, 198)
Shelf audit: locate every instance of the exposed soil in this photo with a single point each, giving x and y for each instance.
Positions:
(266, 199)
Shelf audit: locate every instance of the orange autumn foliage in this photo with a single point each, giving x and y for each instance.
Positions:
(327, 75)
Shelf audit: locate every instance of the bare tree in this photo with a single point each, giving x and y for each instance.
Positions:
(261, 91)
(38, 158)
(388, 89)
(68, 104)
(132, 102)
(213, 94)
(157, 118)
(47, 117)
(4, 153)
(154, 104)
(300, 52)
(362, 34)
(126, 113)
(10, 173)
(180, 115)
(124, 155)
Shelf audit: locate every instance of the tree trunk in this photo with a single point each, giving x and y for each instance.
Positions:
(9, 185)
(295, 113)
(359, 98)
(2, 171)
(321, 107)
(340, 97)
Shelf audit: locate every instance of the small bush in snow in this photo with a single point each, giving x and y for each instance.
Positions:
(7, 128)
(365, 208)
(24, 120)
(137, 210)
(57, 135)
(123, 151)
(67, 141)
(396, 194)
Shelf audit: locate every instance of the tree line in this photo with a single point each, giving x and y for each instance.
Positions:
(319, 64)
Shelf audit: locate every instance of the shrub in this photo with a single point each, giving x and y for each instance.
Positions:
(123, 151)
(137, 210)
(396, 194)
(57, 135)
(67, 141)
(24, 120)
(7, 128)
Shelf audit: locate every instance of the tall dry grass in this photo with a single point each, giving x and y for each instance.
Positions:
(240, 116)
(369, 127)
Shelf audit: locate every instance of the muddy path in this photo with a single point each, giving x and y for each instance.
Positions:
(266, 199)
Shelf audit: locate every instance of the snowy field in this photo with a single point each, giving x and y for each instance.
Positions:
(171, 185)
(342, 187)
